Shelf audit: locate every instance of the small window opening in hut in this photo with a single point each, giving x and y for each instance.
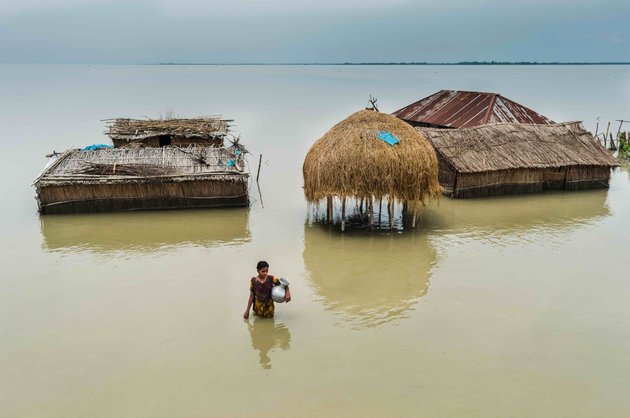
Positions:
(165, 140)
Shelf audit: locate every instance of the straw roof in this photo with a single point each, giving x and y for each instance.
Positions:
(123, 165)
(351, 161)
(508, 146)
(134, 129)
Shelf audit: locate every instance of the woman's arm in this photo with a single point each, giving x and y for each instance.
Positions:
(249, 305)
(287, 294)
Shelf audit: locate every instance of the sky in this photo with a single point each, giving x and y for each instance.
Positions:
(322, 31)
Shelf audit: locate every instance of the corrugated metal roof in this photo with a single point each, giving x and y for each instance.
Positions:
(465, 109)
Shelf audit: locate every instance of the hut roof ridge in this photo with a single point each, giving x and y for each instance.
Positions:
(133, 129)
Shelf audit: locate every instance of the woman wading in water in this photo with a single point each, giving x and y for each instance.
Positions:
(260, 292)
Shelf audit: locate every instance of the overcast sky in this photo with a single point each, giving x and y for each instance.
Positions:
(282, 31)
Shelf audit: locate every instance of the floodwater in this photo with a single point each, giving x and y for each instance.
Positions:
(513, 306)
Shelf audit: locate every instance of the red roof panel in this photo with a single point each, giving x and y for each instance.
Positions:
(465, 109)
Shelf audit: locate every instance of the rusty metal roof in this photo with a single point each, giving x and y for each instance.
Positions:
(465, 109)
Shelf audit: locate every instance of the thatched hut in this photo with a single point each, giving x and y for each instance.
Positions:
(368, 157)
(207, 131)
(144, 178)
(518, 158)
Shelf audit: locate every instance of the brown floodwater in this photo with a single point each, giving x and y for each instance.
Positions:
(511, 306)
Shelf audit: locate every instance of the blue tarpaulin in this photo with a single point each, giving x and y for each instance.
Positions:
(96, 146)
(388, 137)
(231, 163)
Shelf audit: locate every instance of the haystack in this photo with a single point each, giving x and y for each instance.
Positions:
(352, 161)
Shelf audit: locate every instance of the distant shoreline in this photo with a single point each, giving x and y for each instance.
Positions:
(408, 63)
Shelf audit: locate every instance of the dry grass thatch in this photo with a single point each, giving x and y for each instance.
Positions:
(144, 178)
(508, 146)
(135, 129)
(351, 161)
(122, 165)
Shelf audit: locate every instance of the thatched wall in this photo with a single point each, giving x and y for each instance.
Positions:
(154, 141)
(82, 198)
(209, 130)
(521, 181)
(515, 158)
(588, 177)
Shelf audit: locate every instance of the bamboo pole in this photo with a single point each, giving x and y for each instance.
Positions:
(343, 214)
(380, 207)
(259, 163)
(391, 212)
(606, 135)
(371, 208)
(415, 216)
(404, 214)
(329, 209)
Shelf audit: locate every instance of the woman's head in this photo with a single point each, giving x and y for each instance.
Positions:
(263, 268)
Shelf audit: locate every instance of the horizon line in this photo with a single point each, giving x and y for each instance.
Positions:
(405, 63)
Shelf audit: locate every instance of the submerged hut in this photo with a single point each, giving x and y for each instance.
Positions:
(144, 178)
(465, 109)
(518, 158)
(368, 157)
(206, 131)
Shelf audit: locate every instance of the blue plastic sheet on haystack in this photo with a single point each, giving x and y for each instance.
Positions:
(231, 163)
(96, 146)
(388, 137)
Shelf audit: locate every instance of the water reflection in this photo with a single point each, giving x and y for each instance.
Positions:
(533, 217)
(145, 231)
(268, 335)
(370, 279)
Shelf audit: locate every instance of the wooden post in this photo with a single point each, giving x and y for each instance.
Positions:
(619, 130)
(391, 212)
(329, 209)
(415, 216)
(380, 207)
(361, 207)
(343, 214)
(606, 135)
(258, 173)
(404, 214)
(612, 146)
(371, 208)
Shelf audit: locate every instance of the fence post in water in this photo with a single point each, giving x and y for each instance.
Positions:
(343, 214)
